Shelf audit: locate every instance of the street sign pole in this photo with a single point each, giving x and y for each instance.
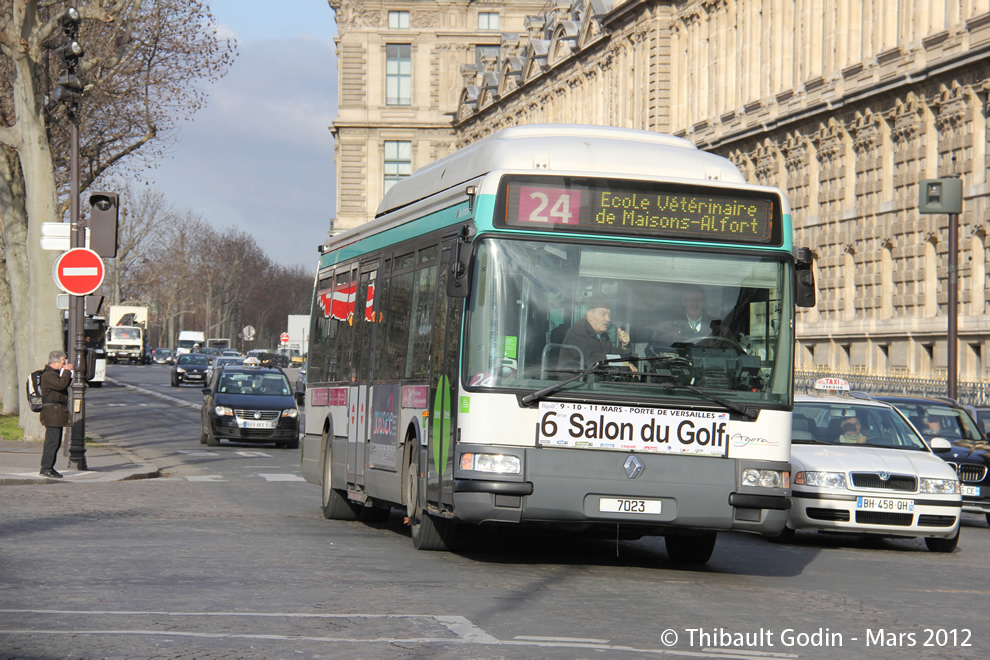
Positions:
(945, 195)
(75, 339)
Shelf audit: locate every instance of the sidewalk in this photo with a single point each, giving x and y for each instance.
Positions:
(20, 463)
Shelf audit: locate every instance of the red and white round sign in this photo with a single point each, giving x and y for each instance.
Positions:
(79, 271)
(284, 337)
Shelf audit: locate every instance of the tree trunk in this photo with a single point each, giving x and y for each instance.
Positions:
(31, 193)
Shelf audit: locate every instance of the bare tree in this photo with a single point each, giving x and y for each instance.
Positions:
(142, 216)
(144, 61)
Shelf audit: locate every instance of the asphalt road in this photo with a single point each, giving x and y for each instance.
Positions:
(228, 555)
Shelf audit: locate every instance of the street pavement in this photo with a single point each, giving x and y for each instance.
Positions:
(20, 464)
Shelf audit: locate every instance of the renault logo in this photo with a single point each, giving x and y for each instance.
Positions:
(633, 466)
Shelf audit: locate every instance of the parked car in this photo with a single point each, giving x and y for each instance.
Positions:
(190, 368)
(301, 384)
(882, 479)
(969, 455)
(249, 404)
(161, 355)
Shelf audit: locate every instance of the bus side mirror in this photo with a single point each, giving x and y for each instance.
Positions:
(804, 285)
(459, 270)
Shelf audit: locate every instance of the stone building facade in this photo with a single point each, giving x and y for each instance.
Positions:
(844, 104)
(399, 80)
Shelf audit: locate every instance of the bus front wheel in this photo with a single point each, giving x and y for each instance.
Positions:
(428, 532)
(690, 549)
(336, 506)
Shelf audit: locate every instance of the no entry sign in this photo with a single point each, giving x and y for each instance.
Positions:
(79, 271)
(284, 337)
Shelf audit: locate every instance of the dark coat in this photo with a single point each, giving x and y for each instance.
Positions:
(55, 390)
(679, 329)
(593, 346)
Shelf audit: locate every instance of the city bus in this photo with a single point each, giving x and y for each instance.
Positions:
(436, 382)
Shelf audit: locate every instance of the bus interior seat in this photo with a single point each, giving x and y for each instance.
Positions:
(548, 364)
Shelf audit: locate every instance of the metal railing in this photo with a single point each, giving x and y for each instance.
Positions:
(970, 393)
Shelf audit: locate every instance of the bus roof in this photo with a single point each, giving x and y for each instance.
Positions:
(604, 150)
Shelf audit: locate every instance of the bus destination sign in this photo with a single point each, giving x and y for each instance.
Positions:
(642, 211)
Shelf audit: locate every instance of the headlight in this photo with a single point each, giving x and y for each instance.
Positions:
(765, 478)
(939, 486)
(223, 410)
(180, 370)
(821, 479)
(498, 463)
(290, 412)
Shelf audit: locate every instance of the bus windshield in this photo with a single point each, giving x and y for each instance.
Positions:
(674, 322)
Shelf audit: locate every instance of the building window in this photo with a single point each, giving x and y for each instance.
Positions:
(488, 21)
(398, 74)
(398, 161)
(398, 20)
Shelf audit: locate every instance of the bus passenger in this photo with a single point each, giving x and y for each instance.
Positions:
(590, 335)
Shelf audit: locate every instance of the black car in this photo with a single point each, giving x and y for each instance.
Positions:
(249, 404)
(190, 368)
(970, 453)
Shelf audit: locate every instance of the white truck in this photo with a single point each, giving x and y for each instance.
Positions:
(127, 333)
(298, 345)
(188, 340)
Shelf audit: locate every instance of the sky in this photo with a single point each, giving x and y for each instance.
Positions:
(259, 156)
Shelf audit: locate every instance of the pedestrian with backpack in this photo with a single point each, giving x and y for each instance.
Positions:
(55, 380)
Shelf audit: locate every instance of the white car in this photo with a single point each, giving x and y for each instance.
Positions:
(878, 479)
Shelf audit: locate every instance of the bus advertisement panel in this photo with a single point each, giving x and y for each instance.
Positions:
(577, 326)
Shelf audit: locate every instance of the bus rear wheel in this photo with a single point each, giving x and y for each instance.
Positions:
(691, 549)
(336, 506)
(428, 532)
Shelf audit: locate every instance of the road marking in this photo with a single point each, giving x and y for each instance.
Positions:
(207, 477)
(254, 454)
(534, 638)
(197, 452)
(463, 631)
(281, 477)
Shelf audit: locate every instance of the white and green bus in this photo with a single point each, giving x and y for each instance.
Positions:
(436, 380)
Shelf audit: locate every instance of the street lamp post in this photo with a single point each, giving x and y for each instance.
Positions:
(68, 91)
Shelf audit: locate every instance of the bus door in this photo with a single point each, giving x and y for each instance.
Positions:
(443, 405)
(364, 328)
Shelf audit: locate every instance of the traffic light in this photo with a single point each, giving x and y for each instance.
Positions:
(103, 213)
(69, 86)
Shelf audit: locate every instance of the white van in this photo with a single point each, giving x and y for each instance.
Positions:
(188, 339)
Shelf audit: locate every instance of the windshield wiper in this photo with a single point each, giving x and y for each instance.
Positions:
(597, 367)
(749, 413)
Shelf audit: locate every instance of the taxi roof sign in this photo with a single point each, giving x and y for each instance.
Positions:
(832, 385)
